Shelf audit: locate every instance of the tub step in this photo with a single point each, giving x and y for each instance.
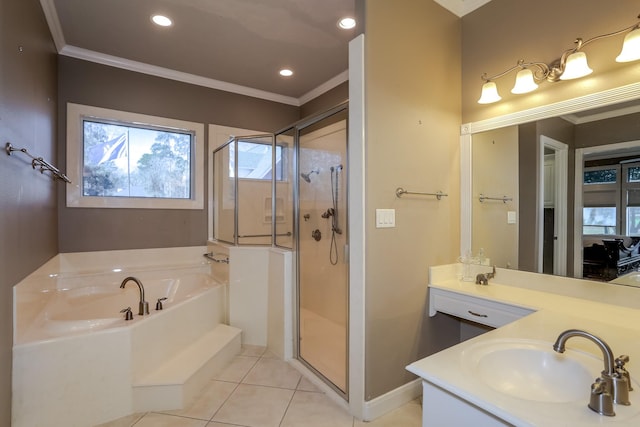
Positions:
(176, 383)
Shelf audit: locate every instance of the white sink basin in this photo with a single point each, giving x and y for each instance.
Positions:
(531, 370)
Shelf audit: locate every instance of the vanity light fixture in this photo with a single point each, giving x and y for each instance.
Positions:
(571, 65)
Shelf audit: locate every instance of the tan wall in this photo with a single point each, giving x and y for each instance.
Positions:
(494, 166)
(93, 84)
(28, 217)
(497, 35)
(412, 63)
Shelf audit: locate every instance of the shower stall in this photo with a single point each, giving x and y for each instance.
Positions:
(303, 209)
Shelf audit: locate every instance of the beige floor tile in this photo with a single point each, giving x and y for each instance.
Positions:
(208, 401)
(273, 373)
(252, 350)
(306, 385)
(215, 424)
(310, 409)
(268, 354)
(408, 415)
(163, 420)
(254, 406)
(237, 369)
(127, 421)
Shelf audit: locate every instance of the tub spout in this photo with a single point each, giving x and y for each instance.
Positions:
(143, 306)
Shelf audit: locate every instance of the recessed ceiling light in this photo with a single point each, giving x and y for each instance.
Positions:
(347, 23)
(161, 20)
(285, 72)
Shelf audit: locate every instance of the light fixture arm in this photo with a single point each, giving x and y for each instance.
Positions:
(558, 67)
(540, 71)
(572, 64)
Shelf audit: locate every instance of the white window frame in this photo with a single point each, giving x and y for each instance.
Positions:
(75, 198)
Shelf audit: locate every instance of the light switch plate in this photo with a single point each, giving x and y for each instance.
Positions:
(511, 217)
(385, 218)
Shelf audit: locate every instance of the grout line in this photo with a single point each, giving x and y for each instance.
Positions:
(225, 401)
(287, 409)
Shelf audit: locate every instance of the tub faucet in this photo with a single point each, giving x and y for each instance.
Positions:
(143, 306)
(610, 387)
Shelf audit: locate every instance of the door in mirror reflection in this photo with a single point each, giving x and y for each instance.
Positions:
(552, 209)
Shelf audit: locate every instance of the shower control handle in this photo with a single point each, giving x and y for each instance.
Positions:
(316, 234)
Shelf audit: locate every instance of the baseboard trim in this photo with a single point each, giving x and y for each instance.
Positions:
(391, 400)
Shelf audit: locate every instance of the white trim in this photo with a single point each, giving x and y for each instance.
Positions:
(466, 187)
(51, 15)
(63, 48)
(74, 193)
(357, 236)
(577, 213)
(153, 70)
(392, 400)
(324, 87)
(600, 99)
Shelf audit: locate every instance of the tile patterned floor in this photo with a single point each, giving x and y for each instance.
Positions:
(259, 390)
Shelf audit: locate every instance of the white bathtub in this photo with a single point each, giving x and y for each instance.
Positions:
(76, 360)
(86, 304)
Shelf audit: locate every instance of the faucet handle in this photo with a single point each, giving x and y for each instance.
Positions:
(128, 315)
(159, 303)
(622, 371)
(601, 400)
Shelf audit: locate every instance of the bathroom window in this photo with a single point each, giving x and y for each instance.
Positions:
(255, 161)
(117, 159)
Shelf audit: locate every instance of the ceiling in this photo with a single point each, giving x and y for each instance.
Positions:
(233, 45)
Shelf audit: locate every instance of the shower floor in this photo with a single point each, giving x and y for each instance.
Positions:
(323, 344)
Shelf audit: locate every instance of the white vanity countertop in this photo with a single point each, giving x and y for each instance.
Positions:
(556, 311)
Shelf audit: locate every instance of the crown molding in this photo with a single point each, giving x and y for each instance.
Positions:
(51, 15)
(63, 48)
(141, 67)
(324, 87)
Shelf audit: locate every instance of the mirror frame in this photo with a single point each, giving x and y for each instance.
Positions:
(586, 102)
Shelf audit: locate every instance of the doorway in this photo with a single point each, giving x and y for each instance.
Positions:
(552, 207)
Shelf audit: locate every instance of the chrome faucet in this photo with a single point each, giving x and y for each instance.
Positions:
(143, 306)
(611, 387)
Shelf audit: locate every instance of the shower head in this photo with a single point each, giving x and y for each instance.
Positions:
(307, 176)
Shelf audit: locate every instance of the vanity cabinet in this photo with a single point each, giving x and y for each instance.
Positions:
(478, 310)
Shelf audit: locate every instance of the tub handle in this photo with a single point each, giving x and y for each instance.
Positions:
(159, 303)
(128, 315)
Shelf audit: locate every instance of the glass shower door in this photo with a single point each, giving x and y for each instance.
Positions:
(322, 242)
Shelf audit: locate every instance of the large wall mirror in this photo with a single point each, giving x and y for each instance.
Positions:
(556, 189)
